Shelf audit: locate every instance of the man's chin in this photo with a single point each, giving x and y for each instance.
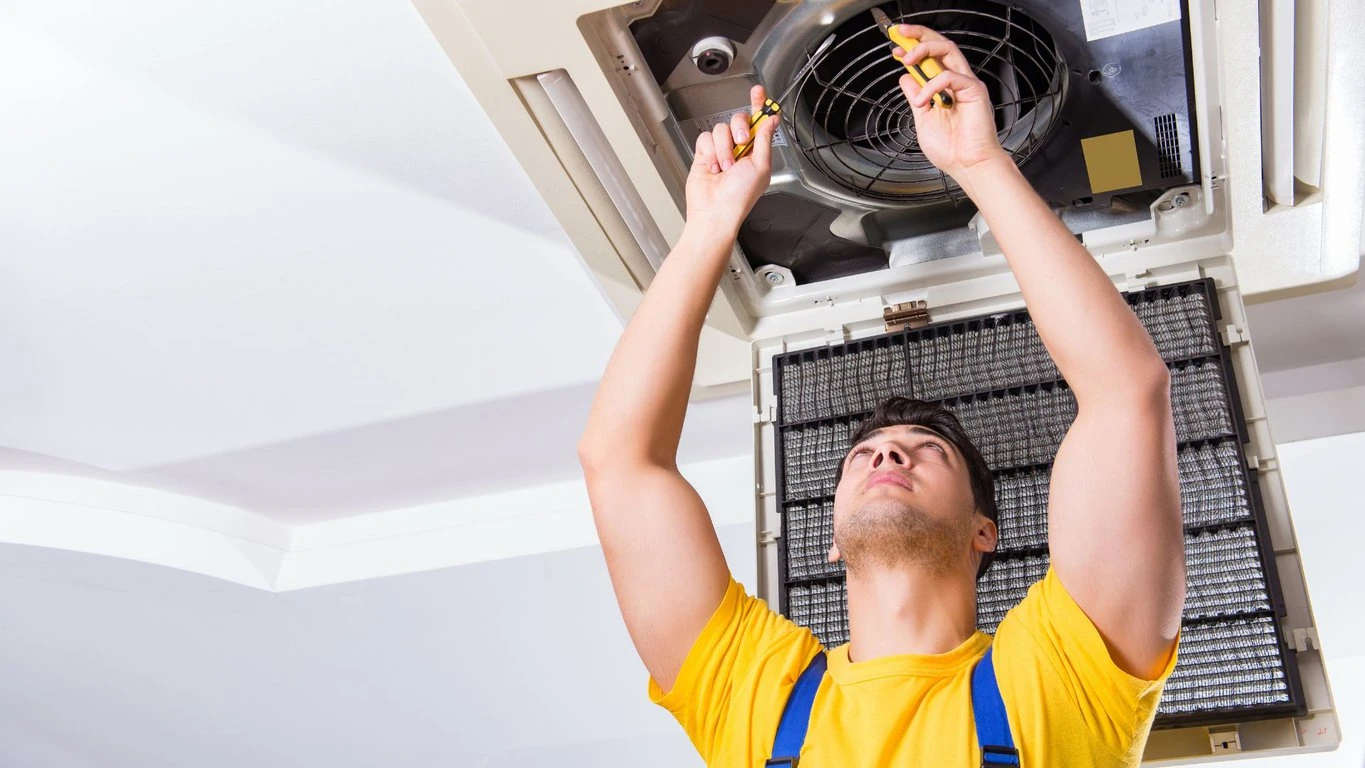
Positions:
(892, 543)
(891, 508)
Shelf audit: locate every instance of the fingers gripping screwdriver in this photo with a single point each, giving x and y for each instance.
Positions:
(771, 109)
(924, 71)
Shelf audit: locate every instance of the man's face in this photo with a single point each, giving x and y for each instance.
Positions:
(905, 495)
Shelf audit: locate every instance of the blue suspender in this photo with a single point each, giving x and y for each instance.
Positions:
(992, 723)
(791, 729)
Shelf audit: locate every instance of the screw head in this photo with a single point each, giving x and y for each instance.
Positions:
(1181, 200)
(774, 278)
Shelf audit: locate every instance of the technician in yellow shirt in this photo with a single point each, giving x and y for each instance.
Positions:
(1079, 663)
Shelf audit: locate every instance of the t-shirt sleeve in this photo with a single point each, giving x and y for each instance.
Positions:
(1067, 676)
(743, 640)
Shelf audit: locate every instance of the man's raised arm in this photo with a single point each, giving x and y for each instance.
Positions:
(1114, 525)
(661, 549)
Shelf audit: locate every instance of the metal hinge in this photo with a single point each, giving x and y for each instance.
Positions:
(1225, 738)
(1233, 335)
(910, 314)
(1304, 639)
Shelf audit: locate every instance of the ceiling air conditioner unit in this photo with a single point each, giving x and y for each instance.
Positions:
(864, 271)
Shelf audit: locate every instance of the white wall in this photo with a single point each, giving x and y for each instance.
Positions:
(505, 661)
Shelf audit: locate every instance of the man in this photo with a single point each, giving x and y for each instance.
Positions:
(1080, 662)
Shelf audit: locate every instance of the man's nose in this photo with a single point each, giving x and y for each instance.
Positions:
(889, 453)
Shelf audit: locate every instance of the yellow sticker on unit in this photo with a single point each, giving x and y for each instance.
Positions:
(1112, 161)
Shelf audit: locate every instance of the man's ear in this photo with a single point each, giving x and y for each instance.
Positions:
(834, 553)
(987, 536)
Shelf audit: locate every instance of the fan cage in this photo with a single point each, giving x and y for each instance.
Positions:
(853, 125)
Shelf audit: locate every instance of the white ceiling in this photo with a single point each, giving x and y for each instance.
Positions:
(273, 254)
(230, 227)
(1310, 330)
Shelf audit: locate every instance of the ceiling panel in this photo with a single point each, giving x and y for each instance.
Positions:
(229, 226)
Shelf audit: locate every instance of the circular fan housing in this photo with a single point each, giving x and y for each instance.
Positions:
(854, 126)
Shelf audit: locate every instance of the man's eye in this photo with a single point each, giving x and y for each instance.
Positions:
(861, 451)
(936, 447)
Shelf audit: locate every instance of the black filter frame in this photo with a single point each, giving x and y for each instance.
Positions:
(828, 399)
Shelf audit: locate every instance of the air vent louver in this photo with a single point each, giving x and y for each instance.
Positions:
(1168, 146)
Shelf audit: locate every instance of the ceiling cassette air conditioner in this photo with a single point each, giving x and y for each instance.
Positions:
(1158, 133)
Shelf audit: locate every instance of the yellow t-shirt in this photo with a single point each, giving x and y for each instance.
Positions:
(1068, 704)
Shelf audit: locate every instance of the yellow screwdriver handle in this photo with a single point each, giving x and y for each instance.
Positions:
(770, 111)
(925, 70)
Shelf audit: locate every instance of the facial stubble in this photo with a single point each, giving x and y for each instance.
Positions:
(888, 533)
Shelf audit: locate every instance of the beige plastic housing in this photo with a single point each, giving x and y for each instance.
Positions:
(618, 149)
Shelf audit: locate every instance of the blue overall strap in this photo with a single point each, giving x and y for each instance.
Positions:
(791, 730)
(992, 723)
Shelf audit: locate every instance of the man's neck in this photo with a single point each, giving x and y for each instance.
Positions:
(908, 611)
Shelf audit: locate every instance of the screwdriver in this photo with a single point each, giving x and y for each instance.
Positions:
(923, 71)
(771, 109)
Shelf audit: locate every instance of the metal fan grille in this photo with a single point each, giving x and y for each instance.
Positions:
(854, 126)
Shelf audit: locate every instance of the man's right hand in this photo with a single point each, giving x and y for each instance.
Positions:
(720, 189)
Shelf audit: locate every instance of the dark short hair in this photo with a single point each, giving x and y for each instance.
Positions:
(905, 411)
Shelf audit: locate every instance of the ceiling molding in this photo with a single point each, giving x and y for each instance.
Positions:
(245, 547)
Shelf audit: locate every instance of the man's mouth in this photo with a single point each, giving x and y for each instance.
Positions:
(888, 478)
